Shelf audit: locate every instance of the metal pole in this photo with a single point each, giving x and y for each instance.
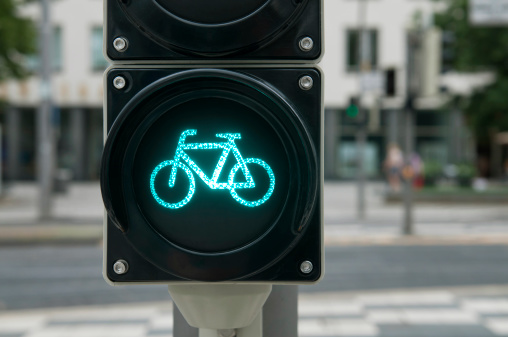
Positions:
(13, 133)
(78, 122)
(361, 137)
(280, 312)
(393, 127)
(413, 42)
(180, 326)
(360, 144)
(1, 160)
(44, 124)
(331, 128)
(408, 184)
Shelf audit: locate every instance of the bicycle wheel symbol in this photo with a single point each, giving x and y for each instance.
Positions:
(270, 188)
(192, 185)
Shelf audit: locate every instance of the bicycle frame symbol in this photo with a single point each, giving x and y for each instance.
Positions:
(183, 161)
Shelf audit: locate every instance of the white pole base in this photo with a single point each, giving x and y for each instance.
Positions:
(253, 330)
(220, 306)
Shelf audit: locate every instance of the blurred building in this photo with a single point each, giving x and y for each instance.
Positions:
(78, 65)
(440, 136)
(77, 90)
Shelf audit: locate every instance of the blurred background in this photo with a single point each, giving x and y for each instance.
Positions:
(416, 174)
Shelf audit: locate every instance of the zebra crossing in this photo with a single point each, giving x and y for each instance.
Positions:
(423, 313)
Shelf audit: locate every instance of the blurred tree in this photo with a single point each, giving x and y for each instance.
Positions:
(474, 48)
(17, 39)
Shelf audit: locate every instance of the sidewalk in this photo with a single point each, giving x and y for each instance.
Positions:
(77, 215)
(78, 218)
(444, 223)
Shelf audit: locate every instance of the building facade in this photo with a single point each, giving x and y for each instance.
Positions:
(383, 89)
(77, 90)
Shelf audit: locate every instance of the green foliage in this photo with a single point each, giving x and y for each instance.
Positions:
(477, 48)
(487, 109)
(474, 47)
(17, 38)
(432, 169)
(466, 171)
(432, 172)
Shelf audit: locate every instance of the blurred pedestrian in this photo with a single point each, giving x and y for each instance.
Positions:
(417, 165)
(393, 166)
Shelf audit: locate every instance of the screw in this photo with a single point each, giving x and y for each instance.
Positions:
(121, 267)
(120, 44)
(306, 44)
(306, 267)
(119, 82)
(306, 82)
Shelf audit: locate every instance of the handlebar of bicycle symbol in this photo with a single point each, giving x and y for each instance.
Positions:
(182, 161)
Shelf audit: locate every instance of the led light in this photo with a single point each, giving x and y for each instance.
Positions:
(181, 157)
(192, 187)
(268, 193)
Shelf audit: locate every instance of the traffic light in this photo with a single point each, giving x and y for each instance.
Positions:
(202, 30)
(213, 171)
(355, 113)
(353, 110)
(390, 82)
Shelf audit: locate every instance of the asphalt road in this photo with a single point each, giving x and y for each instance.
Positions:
(37, 277)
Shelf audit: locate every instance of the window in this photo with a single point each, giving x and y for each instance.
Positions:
(99, 63)
(352, 41)
(348, 159)
(33, 61)
(56, 52)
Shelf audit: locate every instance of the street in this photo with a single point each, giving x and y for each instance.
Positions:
(39, 277)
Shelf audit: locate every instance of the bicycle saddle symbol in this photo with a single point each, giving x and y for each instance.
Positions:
(181, 160)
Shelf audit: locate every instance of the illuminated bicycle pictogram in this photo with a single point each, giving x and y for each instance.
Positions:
(183, 161)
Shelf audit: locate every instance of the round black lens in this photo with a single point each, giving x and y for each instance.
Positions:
(211, 12)
(211, 174)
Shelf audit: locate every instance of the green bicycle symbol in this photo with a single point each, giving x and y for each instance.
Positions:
(183, 161)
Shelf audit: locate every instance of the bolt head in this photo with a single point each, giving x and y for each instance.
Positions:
(306, 82)
(306, 267)
(119, 82)
(121, 267)
(120, 44)
(306, 44)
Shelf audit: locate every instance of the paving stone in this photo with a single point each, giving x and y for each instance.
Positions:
(392, 330)
(498, 326)
(160, 333)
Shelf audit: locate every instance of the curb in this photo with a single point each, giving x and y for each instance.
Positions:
(60, 234)
(51, 234)
(417, 240)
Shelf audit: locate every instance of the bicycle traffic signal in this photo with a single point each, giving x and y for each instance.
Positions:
(212, 172)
